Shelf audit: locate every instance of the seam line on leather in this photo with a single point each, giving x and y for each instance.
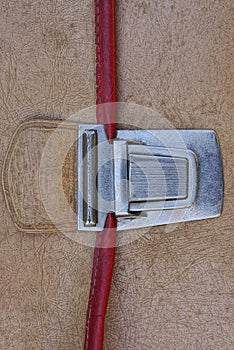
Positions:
(98, 62)
(98, 54)
(92, 293)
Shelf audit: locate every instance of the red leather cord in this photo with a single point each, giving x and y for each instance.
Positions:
(103, 263)
(105, 64)
(104, 252)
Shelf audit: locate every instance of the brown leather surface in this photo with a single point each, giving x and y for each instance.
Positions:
(170, 290)
(47, 67)
(174, 291)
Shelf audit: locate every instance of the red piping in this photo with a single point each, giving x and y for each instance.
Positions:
(104, 252)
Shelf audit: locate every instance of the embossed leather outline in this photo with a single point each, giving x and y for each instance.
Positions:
(32, 123)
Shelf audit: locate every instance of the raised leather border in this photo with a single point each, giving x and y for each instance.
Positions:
(32, 123)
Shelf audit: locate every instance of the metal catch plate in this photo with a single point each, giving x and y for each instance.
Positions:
(147, 177)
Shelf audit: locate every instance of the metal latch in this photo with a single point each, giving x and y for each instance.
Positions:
(147, 177)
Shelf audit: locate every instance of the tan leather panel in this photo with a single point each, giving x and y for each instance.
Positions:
(170, 290)
(175, 290)
(47, 56)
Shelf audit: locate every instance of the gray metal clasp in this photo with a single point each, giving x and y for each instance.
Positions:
(147, 177)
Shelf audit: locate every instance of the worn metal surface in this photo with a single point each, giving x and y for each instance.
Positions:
(153, 178)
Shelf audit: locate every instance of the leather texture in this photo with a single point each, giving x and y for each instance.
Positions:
(47, 65)
(175, 290)
(170, 290)
(104, 252)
